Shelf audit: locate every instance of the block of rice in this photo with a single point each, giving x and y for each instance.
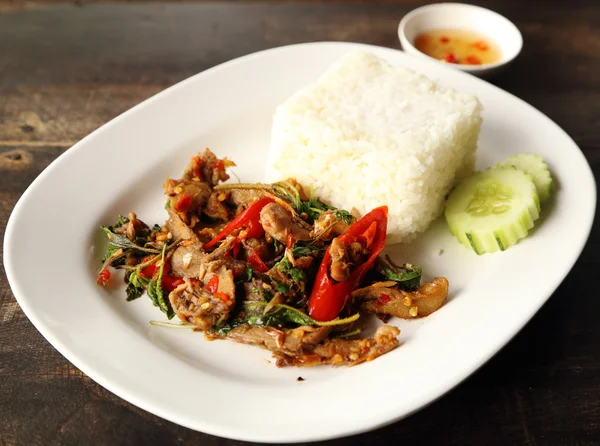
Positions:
(368, 133)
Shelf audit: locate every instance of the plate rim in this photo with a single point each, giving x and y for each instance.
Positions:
(155, 408)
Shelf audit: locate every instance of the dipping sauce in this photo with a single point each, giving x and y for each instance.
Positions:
(458, 46)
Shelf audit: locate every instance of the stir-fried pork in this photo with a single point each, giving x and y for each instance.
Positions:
(132, 228)
(289, 341)
(187, 260)
(242, 198)
(279, 223)
(253, 287)
(215, 207)
(386, 298)
(207, 168)
(194, 304)
(343, 258)
(197, 191)
(338, 352)
(179, 229)
(328, 226)
(340, 263)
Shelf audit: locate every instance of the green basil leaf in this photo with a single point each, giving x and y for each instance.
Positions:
(408, 276)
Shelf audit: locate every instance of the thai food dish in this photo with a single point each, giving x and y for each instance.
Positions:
(269, 265)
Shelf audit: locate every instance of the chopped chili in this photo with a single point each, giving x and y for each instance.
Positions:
(250, 219)
(481, 45)
(149, 271)
(383, 299)
(103, 277)
(473, 60)
(256, 262)
(290, 241)
(213, 284)
(169, 283)
(450, 58)
(222, 296)
(183, 203)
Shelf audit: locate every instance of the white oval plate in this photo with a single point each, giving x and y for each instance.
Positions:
(232, 390)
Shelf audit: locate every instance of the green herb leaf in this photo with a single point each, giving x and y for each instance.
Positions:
(266, 294)
(344, 216)
(249, 272)
(136, 286)
(223, 328)
(280, 287)
(120, 222)
(155, 290)
(300, 251)
(294, 273)
(408, 276)
(117, 241)
(282, 315)
(168, 204)
(276, 244)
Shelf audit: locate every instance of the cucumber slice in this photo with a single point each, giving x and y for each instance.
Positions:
(493, 210)
(535, 166)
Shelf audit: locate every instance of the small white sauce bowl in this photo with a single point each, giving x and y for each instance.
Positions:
(466, 17)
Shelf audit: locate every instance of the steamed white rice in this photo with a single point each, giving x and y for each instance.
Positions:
(368, 134)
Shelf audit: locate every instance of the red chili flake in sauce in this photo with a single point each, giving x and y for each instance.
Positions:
(421, 40)
(473, 60)
(444, 39)
(481, 45)
(450, 58)
(383, 299)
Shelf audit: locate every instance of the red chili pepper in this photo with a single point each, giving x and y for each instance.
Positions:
(290, 241)
(250, 219)
(369, 235)
(220, 165)
(421, 41)
(473, 60)
(444, 39)
(450, 58)
(149, 271)
(183, 203)
(213, 284)
(481, 45)
(222, 296)
(169, 283)
(256, 262)
(103, 277)
(328, 297)
(383, 299)
(236, 248)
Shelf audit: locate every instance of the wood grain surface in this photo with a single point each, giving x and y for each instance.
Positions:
(65, 69)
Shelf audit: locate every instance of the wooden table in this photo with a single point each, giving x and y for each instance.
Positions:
(66, 69)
